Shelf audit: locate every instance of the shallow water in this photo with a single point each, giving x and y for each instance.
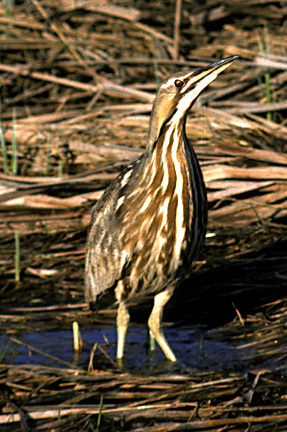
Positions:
(196, 349)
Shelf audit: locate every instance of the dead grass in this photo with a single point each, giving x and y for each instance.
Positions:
(77, 84)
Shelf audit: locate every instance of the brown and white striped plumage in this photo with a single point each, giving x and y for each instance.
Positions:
(150, 224)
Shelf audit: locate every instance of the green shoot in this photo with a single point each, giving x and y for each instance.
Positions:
(17, 256)
(264, 47)
(59, 417)
(267, 74)
(60, 167)
(4, 347)
(259, 218)
(4, 150)
(14, 147)
(14, 160)
(100, 413)
(9, 5)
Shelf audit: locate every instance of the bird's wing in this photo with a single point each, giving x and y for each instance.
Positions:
(104, 258)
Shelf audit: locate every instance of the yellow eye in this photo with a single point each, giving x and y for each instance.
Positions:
(178, 83)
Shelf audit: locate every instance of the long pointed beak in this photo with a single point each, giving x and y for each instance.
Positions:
(199, 79)
(213, 69)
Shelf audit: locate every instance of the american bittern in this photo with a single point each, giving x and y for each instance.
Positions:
(150, 224)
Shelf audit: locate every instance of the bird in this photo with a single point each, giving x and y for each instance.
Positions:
(150, 224)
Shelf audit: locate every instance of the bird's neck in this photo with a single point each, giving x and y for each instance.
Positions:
(173, 180)
(166, 155)
(172, 167)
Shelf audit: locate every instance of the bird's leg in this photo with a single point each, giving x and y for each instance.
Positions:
(154, 322)
(123, 319)
(151, 341)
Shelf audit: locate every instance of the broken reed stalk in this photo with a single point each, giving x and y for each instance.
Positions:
(77, 337)
(177, 22)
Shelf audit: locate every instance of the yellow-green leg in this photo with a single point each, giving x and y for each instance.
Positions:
(155, 325)
(123, 319)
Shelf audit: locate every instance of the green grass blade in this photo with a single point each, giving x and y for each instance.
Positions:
(100, 413)
(5, 344)
(4, 151)
(14, 160)
(264, 47)
(17, 256)
(60, 168)
(8, 8)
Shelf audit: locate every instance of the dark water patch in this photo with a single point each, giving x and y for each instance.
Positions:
(196, 349)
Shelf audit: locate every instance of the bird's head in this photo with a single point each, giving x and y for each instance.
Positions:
(178, 93)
